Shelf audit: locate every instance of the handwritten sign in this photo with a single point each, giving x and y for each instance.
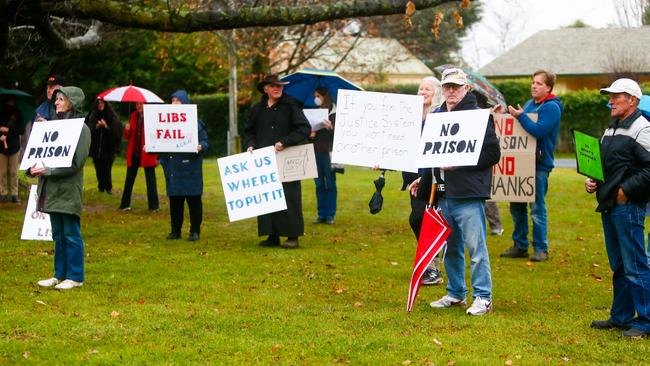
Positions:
(588, 156)
(52, 143)
(513, 177)
(377, 129)
(170, 127)
(452, 138)
(316, 117)
(37, 224)
(251, 184)
(297, 163)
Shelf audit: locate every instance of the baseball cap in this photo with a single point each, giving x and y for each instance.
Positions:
(623, 86)
(454, 76)
(54, 79)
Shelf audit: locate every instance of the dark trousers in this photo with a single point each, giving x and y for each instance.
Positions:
(176, 212)
(150, 178)
(103, 169)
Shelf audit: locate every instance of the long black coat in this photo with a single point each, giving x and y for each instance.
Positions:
(286, 123)
(105, 142)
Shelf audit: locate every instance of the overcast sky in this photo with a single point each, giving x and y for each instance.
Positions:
(505, 23)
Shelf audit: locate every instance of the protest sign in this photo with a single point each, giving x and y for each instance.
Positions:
(588, 156)
(316, 117)
(296, 163)
(377, 129)
(452, 138)
(513, 177)
(37, 224)
(251, 184)
(170, 128)
(52, 143)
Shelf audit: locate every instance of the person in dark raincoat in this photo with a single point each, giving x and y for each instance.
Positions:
(277, 120)
(184, 178)
(105, 130)
(11, 127)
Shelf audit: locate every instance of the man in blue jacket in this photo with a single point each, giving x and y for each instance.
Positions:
(549, 111)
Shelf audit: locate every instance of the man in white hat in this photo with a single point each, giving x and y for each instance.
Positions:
(622, 198)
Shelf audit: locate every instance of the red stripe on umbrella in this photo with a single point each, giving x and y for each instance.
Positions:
(130, 94)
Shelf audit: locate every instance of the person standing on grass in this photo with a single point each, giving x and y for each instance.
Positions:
(136, 157)
(622, 200)
(546, 130)
(11, 127)
(326, 181)
(105, 130)
(278, 120)
(60, 194)
(184, 180)
(463, 205)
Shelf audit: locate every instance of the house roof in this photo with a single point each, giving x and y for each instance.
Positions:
(576, 51)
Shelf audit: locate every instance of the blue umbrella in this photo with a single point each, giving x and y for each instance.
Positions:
(644, 103)
(24, 102)
(303, 83)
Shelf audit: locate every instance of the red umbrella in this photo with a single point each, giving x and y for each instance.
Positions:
(130, 94)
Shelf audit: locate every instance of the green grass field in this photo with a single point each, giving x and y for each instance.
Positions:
(338, 299)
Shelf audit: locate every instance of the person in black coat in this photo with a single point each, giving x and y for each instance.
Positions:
(105, 130)
(277, 120)
(11, 127)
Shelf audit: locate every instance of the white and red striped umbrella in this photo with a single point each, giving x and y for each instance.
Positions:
(130, 94)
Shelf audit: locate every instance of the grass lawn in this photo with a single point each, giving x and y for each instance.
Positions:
(339, 298)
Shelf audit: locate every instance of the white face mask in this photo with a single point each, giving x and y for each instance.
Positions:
(317, 101)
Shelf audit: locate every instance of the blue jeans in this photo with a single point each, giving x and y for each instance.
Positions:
(628, 259)
(466, 217)
(519, 213)
(68, 247)
(325, 187)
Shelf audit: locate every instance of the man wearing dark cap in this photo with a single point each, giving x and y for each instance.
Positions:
(277, 120)
(45, 111)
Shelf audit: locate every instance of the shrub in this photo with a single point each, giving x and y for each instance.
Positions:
(213, 111)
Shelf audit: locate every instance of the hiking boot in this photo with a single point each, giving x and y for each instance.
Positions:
(271, 241)
(193, 237)
(432, 277)
(448, 301)
(49, 282)
(290, 243)
(173, 236)
(68, 285)
(515, 252)
(607, 324)
(539, 256)
(634, 333)
(480, 306)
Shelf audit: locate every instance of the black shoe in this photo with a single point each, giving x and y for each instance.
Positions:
(15, 199)
(271, 241)
(290, 243)
(634, 333)
(108, 191)
(515, 252)
(173, 236)
(539, 257)
(124, 208)
(432, 277)
(319, 220)
(607, 324)
(329, 221)
(193, 237)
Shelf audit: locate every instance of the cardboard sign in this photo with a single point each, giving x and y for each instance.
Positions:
(251, 184)
(37, 224)
(513, 177)
(52, 143)
(170, 128)
(588, 156)
(377, 129)
(297, 163)
(452, 139)
(316, 117)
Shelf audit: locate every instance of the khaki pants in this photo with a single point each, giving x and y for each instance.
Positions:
(9, 174)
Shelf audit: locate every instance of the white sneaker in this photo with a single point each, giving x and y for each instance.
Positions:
(479, 306)
(49, 282)
(68, 285)
(448, 301)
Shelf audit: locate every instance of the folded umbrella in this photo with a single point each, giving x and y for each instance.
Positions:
(377, 200)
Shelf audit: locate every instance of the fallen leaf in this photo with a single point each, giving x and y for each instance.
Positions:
(518, 357)
(40, 302)
(275, 348)
(508, 363)
(451, 363)
(26, 354)
(406, 362)
(140, 301)
(93, 351)
(557, 296)
(394, 264)
(115, 314)
(565, 359)
(595, 265)
(358, 304)
(437, 342)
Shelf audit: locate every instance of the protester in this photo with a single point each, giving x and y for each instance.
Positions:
(430, 89)
(622, 199)
(493, 218)
(462, 201)
(549, 111)
(46, 111)
(184, 180)
(105, 129)
(277, 120)
(60, 192)
(11, 127)
(326, 180)
(136, 157)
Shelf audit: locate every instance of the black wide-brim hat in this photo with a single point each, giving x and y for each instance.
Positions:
(270, 79)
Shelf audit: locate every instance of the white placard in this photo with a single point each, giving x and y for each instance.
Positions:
(37, 224)
(452, 138)
(170, 128)
(377, 129)
(316, 117)
(251, 184)
(52, 143)
(297, 163)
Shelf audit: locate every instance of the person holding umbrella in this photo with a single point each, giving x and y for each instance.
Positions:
(105, 128)
(11, 127)
(326, 180)
(277, 120)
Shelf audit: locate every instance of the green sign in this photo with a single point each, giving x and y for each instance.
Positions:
(588, 155)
